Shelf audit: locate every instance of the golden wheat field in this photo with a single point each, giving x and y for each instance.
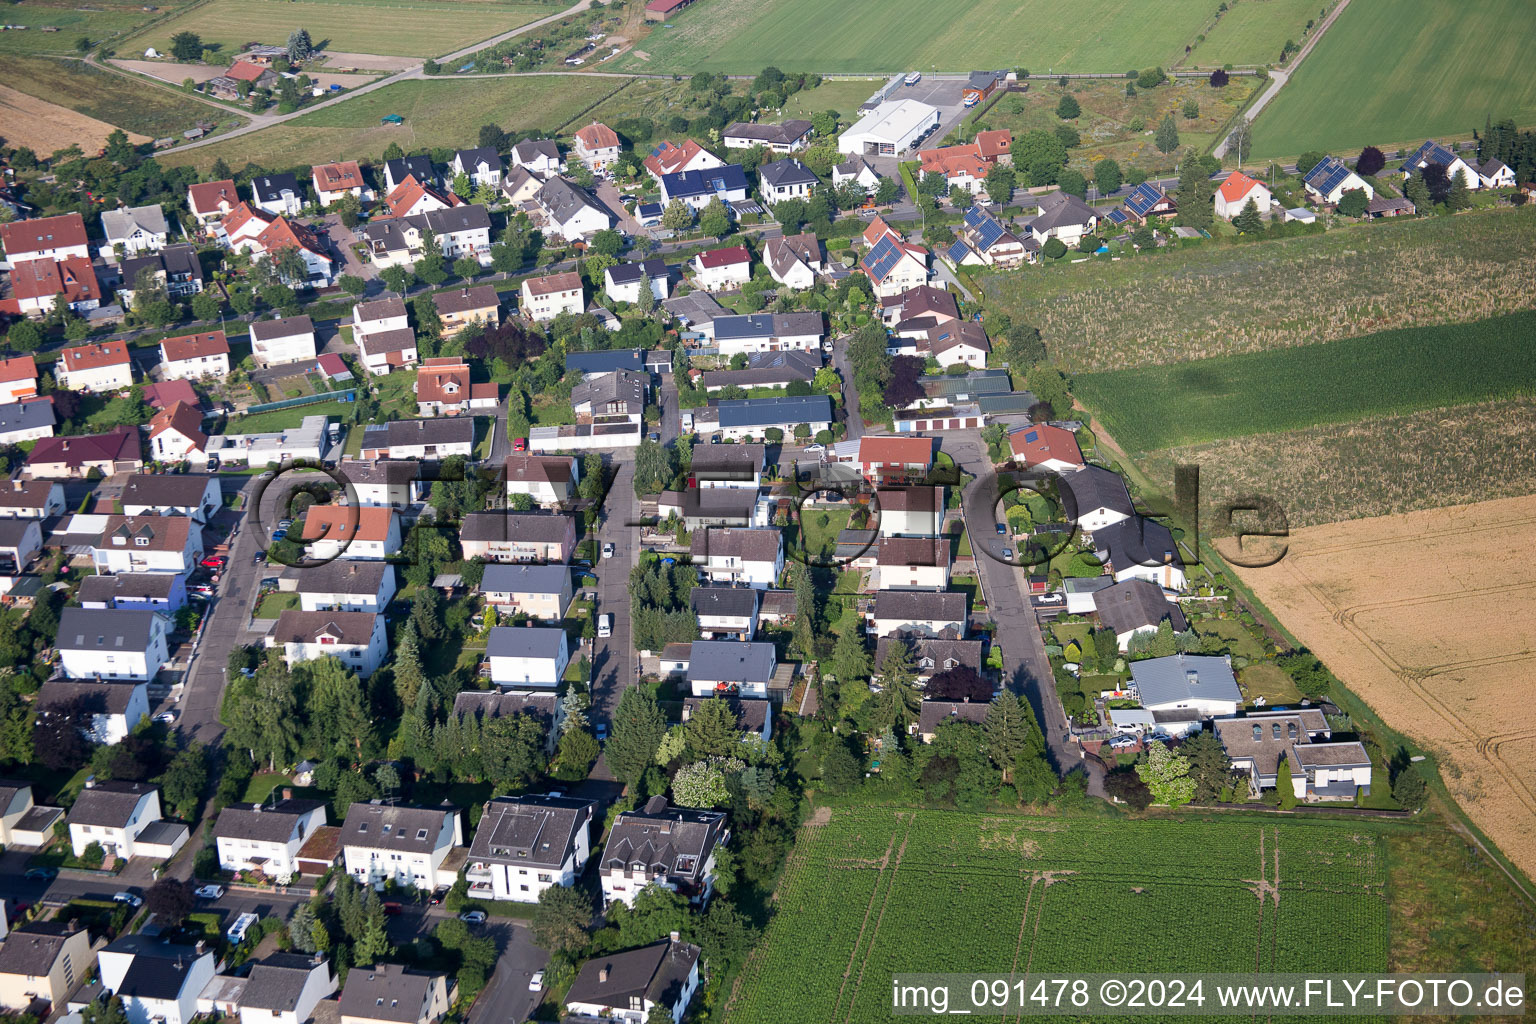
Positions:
(1427, 616)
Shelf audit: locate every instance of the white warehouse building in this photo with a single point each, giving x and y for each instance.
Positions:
(891, 128)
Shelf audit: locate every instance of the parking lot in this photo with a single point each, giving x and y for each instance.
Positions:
(946, 94)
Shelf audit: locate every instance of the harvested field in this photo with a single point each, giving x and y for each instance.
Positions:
(170, 71)
(1426, 617)
(1374, 467)
(47, 127)
(102, 95)
(365, 61)
(1223, 299)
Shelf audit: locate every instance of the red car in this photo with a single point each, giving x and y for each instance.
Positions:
(214, 562)
(519, 444)
(393, 908)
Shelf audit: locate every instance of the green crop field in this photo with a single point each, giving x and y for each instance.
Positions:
(446, 112)
(900, 35)
(100, 21)
(876, 892)
(1228, 298)
(415, 28)
(1395, 72)
(1252, 31)
(108, 97)
(1285, 389)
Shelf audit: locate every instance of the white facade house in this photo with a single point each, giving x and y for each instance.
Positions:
(550, 480)
(266, 837)
(785, 179)
(344, 585)
(1432, 152)
(284, 340)
(136, 228)
(98, 367)
(118, 706)
(768, 332)
(793, 260)
(1331, 177)
(351, 532)
(45, 238)
(526, 844)
(30, 499)
(278, 194)
(569, 212)
(750, 557)
(113, 644)
(539, 156)
(917, 613)
(482, 165)
(194, 356)
(857, 170)
(525, 656)
(334, 182)
(1320, 768)
(1235, 192)
(597, 147)
(285, 988)
(623, 281)
(159, 982)
(1063, 216)
(722, 269)
(407, 845)
(355, 638)
(541, 592)
(1184, 682)
(146, 543)
(1094, 497)
(383, 334)
(113, 814)
(661, 845)
(545, 298)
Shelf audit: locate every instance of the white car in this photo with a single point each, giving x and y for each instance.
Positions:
(168, 717)
(208, 892)
(128, 898)
(815, 448)
(236, 933)
(608, 550)
(536, 983)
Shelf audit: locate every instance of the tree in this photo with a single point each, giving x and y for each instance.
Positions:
(561, 919)
(575, 754)
(1308, 160)
(170, 900)
(711, 730)
(1050, 386)
(1414, 189)
(373, 945)
(1209, 766)
(1370, 161)
(1106, 176)
(676, 217)
(850, 658)
(1408, 788)
(299, 46)
(1125, 784)
(1006, 731)
(1352, 203)
(886, 192)
(352, 285)
(1151, 78)
(301, 928)
(1195, 194)
(1166, 775)
(1163, 643)
(896, 705)
(655, 466)
(1167, 137)
(1067, 107)
(1042, 154)
(1000, 183)
(702, 783)
(187, 47)
(1459, 197)
(902, 389)
(1218, 78)
(24, 336)
(1191, 109)
(1284, 787)
(1248, 220)
(715, 221)
(1240, 138)
(183, 781)
(110, 1012)
(1072, 182)
(205, 305)
(1054, 248)
(397, 279)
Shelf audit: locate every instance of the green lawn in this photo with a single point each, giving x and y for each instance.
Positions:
(1411, 70)
(858, 36)
(1271, 682)
(261, 786)
(843, 96)
(100, 21)
(1252, 31)
(1291, 388)
(283, 419)
(105, 96)
(274, 604)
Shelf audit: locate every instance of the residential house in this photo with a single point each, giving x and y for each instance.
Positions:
(695, 314)
(1258, 742)
(1395, 206)
(569, 212)
(526, 844)
(283, 340)
(147, 543)
(1235, 192)
(335, 181)
(725, 613)
(1147, 201)
(1331, 177)
(99, 366)
(1094, 497)
(637, 985)
(961, 166)
(623, 281)
(70, 458)
(543, 706)
(545, 298)
(383, 334)
(165, 394)
(44, 962)
(518, 537)
(31, 499)
(785, 179)
(350, 531)
(196, 496)
(161, 592)
(856, 169)
(768, 332)
(407, 845)
(597, 147)
(470, 306)
(524, 656)
(915, 310)
(1044, 447)
(114, 707)
(20, 541)
(916, 613)
(753, 717)
(550, 480)
(443, 388)
(787, 137)
(620, 394)
(482, 165)
(262, 236)
(884, 458)
(722, 269)
(666, 158)
(18, 379)
(460, 231)
(414, 198)
(420, 439)
(390, 994)
(285, 988)
(1062, 216)
(1432, 152)
(1136, 607)
(671, 847)
(36, 286)
(911, 563)
(764, 370)
(391, 484)
(355, 638)
(696, 189)
(751, 557)
(343, 585)
(1140, 549)
(176, 434)
(23, 823)
(541, 592)
(227, 86)
(538, 156)
(266, 837)
(731, 667)
(931, 655)
(1187, 682)
(728, 465)
(176, 268)
(113, 814)
(793, 260)
(136, 228)
(113, 645)
(934, 713)
(278, 194)
(602, 361)
(211, 201)
(519, 185)
(158, 981)
(743, 418)
(30, 420)
(401, 168)
(893, 265)
(1495, 173)
(191, 356)
(985, 241)
(957, 343)
(45, 238)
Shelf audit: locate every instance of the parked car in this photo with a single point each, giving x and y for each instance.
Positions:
(128, 898)
(473, 917)
(815, 448)
(236, 933)
(208, 892)
(260, 557)
(519, 444)
(278, 535)
(284, 524)
(1002, 529)
(42, 874)
(1007, 552)
(392, 908)
(602, 732)
(536, 983)
(168, 717)
(438, 895)
(608, 550)
(214, 562)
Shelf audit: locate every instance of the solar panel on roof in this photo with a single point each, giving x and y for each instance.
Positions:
(989, 232)
(882, 259)
(1117, 216)
(974, 216)
(1032, 436)
(959, 251)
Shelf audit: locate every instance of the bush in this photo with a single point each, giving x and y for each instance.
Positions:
(93, 855)
(1068, 108)
(1054, 249)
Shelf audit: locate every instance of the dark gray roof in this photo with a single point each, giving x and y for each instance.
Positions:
(495, 703)
(381, 471)
(154, 586)
(564, 200)
(534, 830)
(381, 308)
(272, 186)
(731, 661)
(1061, 209)
(675, 841)
(466, 299)
(402, 167)
(108, 803)
(442, 430)
(920, 606)
(935, 713)
(525, 579)
(354, 629)
(751, 715)
(1184, 677)
(103, 629)
(526, 527)
(606, 360)
(1135, 604)
(731, 601)
(932, 655)
(468, 217)
(342, 576)
(752, 545)
(13, 532)
(268, 824)
(282, 327)
(785, 134)
(720, 505)
(34, 948)
(163, 833)
(768, 325)
(160, 970)
(774, 412)
(19, 493)
(182, 490)
(698, 309)
(628, 273)
(1094, 487)
(1136, 541)
(276, 982)
(385, 992)
(525, 642)
(400, 827)
(788, 172)
(396, 339)
(729, 461)
(15, 416)
(620, 386)
(766, 369)
(469, 159)
(658, 973)
(529, 149)
(105, 697)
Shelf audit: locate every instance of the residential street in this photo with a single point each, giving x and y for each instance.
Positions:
(854, 422)
(613, 659)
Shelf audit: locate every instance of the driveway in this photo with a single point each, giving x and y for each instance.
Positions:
(855, 423)
(608, 195)
(342, 239)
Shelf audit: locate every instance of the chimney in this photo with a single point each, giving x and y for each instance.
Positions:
(287, 793)
(676, 937)
(201, 945)
(255, 808)
(90, 782)
(602, 975)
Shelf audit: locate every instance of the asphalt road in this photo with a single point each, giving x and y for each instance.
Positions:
(613, 658)
(854, 422)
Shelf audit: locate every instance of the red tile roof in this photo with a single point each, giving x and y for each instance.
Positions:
(597, 136)
(119, 443)
(1237, 186)
(209, 196)
(995, 143)
(436, 376)
(1049, 443)
(877, 230)
(168, 393)
(73, 277)
(194, 346)
(95, 356)
(185, 419)
(24, 236)
(565, 282)
(20, 368)
(282, 233)
(343, 522)
(727, 257)
(952, 161)
(335, 177)
(402, 200)
(668, 159)
(243, 213)
(244, 71)
(886, 448)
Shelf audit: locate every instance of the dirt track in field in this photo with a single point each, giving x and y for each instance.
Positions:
(1427, 616)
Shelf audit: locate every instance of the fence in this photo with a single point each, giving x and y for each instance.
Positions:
(350, 395)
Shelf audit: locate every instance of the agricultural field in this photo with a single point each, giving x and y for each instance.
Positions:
(1441, 71)
(868, 890)
(446, 112)
(1372, 467)
(102, 21)
(1308, 385)
(1107, 113)
(46, 128)
(1253, 31)
(1225, 299)
(144, 111)
(1420, 615)
(857, 36)
(416, 28)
